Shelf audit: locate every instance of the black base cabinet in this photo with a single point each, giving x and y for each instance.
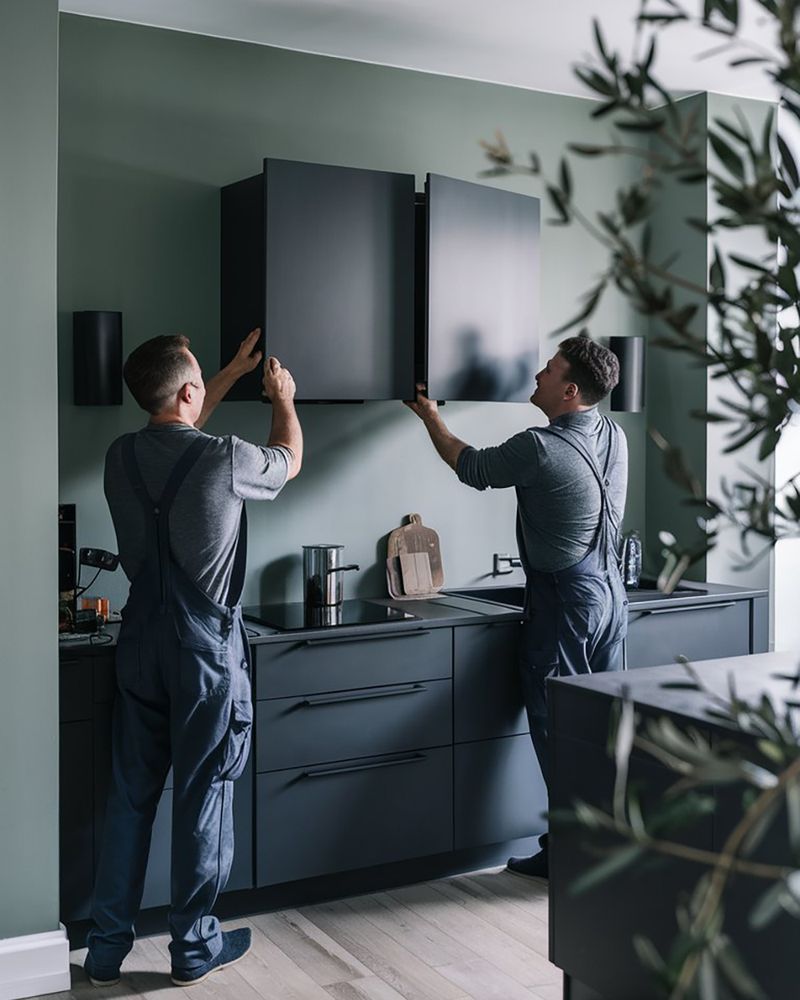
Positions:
(353, 814)
(699, 632)
(499, 792)
(403, 747)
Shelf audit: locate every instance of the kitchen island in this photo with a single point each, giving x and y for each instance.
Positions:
(592, 933)
(382, 754)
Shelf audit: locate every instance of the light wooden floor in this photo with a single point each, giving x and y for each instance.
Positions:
(480, 936)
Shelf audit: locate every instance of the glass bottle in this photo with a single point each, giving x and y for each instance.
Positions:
(632, 559)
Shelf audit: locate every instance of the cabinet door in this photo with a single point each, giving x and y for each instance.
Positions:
(483, 291)
(340, 817)
(333, 663)
(500, 794)
(699, 632)
(487, 695)
(313, 729)
(336, 288)
(76, 819)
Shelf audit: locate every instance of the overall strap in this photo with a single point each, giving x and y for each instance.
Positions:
(608, 515)
(157, 511)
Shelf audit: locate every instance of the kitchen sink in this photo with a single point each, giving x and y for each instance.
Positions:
(515, 596)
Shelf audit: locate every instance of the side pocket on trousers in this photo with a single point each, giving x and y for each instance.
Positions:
(237, 741)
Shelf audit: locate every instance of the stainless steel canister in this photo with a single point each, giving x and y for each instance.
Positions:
(322, 575)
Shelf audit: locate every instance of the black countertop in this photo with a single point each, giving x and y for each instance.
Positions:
(752, 675)
(451, 609)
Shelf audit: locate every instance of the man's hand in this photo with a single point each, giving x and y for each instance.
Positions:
(247, 357)
(422, 406)
(277, 381)
(447, 444)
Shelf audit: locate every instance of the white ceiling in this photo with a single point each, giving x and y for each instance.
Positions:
(524, 43)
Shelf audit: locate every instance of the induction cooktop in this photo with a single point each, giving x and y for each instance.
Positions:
(295, 617)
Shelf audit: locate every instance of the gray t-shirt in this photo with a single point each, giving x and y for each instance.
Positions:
(205, 515)
(558, 496)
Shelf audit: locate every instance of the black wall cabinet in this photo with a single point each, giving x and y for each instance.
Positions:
(481, 310)
(363, 287)
(321, 258)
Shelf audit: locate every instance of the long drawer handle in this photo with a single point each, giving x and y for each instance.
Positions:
(340, 699)
(335, 639)
(322, 772)
(691, 607)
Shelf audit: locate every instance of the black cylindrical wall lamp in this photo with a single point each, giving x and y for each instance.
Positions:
(628, 395)
(97, 358)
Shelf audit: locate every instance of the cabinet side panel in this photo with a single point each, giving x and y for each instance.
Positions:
(241, 274)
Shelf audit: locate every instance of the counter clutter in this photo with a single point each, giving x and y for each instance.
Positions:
(383, 753)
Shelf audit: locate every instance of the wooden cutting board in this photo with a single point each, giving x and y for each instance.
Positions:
(413, 561)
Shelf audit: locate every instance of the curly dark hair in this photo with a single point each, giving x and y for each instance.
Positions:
(593, 368)
(156, 371)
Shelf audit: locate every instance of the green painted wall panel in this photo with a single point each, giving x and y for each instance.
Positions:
(28, 460)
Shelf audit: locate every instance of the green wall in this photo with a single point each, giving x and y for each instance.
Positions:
(677, 384)
(152, 124)
(28, 459)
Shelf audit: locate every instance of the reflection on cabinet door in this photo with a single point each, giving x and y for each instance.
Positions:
(699, 632)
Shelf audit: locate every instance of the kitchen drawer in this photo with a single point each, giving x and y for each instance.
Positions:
(333, 663)
(340, 817)
(312, 729)
(500, 794)
(699, 632)
(487, 695)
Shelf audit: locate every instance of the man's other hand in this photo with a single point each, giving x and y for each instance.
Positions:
(247, 358)
(422, 406)
(277, 381)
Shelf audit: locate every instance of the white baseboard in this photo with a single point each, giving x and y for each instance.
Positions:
(34, 964)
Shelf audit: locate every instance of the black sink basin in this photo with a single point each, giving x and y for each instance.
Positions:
(647, 590)
(513, 596)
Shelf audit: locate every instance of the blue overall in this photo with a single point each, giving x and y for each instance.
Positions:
(183, 699)
(577, 617)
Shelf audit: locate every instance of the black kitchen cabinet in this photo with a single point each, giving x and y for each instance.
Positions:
(337, 663)
(341, 725)
(321, 258)
(480, 282)
(499, 792)
(76, 826)
(405, 746)
(353, 814)
(698, 632)
(598, 954)
(354, 750)
(487, 696)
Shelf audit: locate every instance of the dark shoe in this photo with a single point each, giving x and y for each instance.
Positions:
(100, 975)
(235, 945)
(534, 867)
